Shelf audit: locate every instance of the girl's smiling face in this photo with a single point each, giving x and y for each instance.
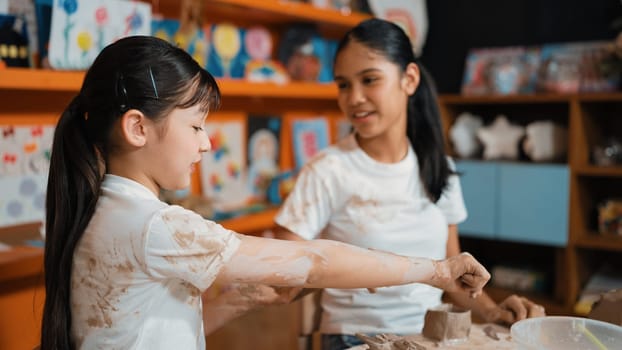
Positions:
(373, 91)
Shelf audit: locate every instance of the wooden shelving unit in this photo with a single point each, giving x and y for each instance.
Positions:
(591, 119)
(591, 170)
(594, 240)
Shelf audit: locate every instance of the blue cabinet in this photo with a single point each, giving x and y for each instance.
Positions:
(479, 188)
(516, 202)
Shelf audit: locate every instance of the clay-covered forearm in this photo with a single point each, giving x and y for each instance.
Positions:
(323, 263)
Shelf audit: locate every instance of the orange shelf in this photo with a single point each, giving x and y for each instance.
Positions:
(21, 262)
(40, 79)
(51, 80)
(329, 21)
(601, 171)
(279, 11)
(301, 90)
(252, 223)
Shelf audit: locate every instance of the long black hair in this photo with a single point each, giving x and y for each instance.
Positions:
(140, 72)
(423, 126)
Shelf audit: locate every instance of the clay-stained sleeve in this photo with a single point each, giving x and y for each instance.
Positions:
(182, 244)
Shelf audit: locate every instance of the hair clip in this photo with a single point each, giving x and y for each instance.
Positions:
(121, 93)
(155, 90)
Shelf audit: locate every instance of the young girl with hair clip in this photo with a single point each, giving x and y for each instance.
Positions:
(389, 186)
(124, 270)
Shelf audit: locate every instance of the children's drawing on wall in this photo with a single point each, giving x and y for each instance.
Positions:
(310, 135)
(261, 67)
(227, 55)
(24, 163)
(222, 169)
(81, 29)
(263, 153)
(410, 15)
(306, 55)
(187, 33)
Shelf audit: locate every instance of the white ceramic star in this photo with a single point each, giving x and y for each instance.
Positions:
(501, 139)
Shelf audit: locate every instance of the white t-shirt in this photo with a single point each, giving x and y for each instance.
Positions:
(139, 270)
(345, 195)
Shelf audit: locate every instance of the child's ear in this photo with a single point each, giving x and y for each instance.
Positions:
(134, 127)
(411, 78)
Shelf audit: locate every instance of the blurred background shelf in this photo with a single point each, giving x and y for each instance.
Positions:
(594, 240)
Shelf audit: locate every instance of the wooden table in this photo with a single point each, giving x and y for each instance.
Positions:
(482, 337)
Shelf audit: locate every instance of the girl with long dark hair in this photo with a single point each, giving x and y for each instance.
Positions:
(389, 186)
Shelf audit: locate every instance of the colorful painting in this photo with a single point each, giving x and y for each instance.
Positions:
(263, 153)
(574, 67)
(81, 28)
(223, 169)
(227, 55)
(501, 71)
(24, 164)
(410, 15)
(309, 136)
(193, 42)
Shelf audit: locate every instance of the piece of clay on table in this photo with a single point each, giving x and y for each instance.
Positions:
(389, 342)
(447, 323)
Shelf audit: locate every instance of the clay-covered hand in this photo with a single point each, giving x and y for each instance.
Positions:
(515, 308)
(461, 273)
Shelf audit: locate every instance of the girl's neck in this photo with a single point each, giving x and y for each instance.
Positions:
(383, 148)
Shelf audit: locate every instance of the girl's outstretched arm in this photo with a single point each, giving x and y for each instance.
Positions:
(331, 264)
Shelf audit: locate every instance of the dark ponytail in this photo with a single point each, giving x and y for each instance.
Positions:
(424, 121)
(139, 72)
(72, 191)
(424, 130)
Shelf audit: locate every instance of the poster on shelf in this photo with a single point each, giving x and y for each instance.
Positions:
(263, 153)
(81, 29)
(410, 15)
(575, 67)
(501, 71)
(309, 136)
(24, 163)
(223, 168)
(227, 55)
(193, 41)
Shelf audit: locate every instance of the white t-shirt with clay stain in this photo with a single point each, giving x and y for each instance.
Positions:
(345, 195)
(139, 270)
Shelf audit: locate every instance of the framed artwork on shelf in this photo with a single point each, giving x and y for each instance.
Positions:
(223, 168)
(310, 134)
(500, 71)
(263, 153)
(24, 162)
(81, 29)
(574, 67)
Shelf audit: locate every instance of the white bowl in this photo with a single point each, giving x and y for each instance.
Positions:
(565, 333)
